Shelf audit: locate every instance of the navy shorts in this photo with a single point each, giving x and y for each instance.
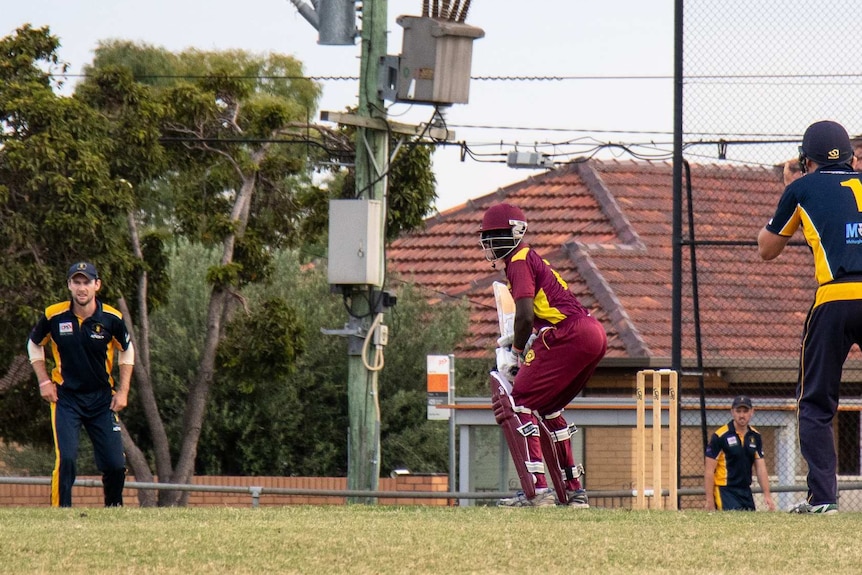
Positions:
(734, 499)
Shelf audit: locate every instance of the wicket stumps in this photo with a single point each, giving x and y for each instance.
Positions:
(658, 377)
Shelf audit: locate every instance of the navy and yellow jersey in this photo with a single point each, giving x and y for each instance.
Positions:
(531, 276)
(83, 350)
(828, 205)
(734, 456)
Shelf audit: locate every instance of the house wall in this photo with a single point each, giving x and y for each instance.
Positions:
(611, 453)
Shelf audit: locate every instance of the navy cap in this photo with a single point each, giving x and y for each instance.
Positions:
(827, 143)
(741, 401)
(84, 268)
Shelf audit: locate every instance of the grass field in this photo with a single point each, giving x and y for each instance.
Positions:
(384, 539)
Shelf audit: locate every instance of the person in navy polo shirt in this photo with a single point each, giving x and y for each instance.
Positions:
(732, 451)
(85, 335)
(826, 206)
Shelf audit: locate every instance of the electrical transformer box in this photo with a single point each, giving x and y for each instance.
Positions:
(355, 243)
(435, 62)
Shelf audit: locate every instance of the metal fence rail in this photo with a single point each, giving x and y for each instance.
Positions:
(256, 492)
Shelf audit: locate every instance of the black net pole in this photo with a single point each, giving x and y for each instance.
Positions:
(695, 301)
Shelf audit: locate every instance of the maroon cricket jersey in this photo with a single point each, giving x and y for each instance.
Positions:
(531, 276)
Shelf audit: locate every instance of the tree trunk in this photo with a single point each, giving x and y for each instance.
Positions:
(19, 371)
(140, 469)
(146, 393)
(198, 396)
(216, 314)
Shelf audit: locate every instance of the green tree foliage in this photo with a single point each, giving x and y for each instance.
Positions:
(59, 200)
(412, 190)
(232, 119)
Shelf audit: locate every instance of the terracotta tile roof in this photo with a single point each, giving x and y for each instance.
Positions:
(607, 228)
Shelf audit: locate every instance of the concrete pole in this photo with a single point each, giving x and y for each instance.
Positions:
(372, 164)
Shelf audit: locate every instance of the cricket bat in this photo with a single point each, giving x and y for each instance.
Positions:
(505, 309)
(506, 320)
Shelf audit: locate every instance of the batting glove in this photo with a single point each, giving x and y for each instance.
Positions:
(508, 362)
(506, 340)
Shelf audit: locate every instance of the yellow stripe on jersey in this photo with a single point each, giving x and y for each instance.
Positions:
(721, 462)
(57, 309)
(792, 224)
(50, 312)
(558, 277)
(838, 292)
(111, 310)
(520, 255)
(822, 271)
(543, 309)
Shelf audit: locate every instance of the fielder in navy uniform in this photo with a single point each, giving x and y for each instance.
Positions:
(827, 204)
(85, 335)
(732, 452)
(556, 347)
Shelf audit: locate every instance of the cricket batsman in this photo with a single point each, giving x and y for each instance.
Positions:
(552, 352)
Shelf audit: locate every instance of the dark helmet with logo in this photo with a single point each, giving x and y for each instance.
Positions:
(503, 228)
(826, 142)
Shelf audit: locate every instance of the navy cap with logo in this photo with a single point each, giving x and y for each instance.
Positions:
(741, 400)
(83, 268)
(826, 143)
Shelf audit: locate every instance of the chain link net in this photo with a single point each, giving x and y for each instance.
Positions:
(755, 75)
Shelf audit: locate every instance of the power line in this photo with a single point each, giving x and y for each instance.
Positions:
(706, 78)
(326, 78)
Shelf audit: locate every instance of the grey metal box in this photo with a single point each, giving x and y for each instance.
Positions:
(355, 246)
(436, 58)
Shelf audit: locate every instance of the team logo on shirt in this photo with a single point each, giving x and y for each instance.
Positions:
(97, 332)
(65, 327)
(731, 440)
(853, 233)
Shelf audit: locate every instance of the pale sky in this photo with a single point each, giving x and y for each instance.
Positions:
(602, 47)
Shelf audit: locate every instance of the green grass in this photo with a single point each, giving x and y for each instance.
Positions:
(385, 539)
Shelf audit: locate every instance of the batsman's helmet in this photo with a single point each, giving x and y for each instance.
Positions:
(826, 142)
(503, 228)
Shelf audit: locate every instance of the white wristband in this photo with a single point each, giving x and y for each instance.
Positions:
(46, 382)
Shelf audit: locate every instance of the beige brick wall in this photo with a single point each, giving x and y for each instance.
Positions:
(611, 452)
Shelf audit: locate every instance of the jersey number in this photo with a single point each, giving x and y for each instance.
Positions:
(856, 187)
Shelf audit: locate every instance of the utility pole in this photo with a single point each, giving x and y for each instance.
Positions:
(349, 254)
(372, 165)
(435, 69)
